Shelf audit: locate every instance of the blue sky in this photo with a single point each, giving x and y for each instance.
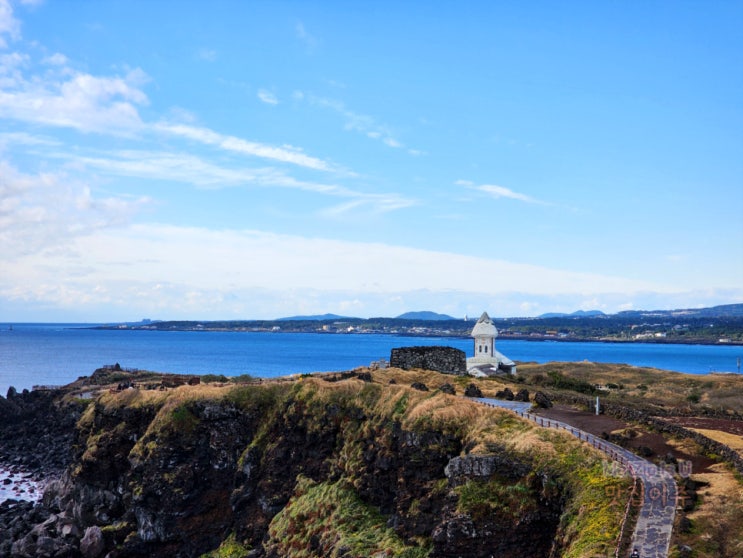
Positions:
(228, 160)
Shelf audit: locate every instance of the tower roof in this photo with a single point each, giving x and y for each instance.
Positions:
(484, 327)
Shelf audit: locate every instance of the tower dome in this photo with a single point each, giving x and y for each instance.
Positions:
(484, 327)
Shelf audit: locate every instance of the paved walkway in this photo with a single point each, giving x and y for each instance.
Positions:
(652, 536)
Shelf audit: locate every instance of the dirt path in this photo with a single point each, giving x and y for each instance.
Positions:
(600, 425)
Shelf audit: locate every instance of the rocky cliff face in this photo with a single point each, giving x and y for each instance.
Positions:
(306, 468)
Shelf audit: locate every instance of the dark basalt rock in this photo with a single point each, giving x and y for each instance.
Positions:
(506, 394)
(522, 395)
(419, 386)
(448, 388)
(542, 400)
(447, 360)
(472, 391)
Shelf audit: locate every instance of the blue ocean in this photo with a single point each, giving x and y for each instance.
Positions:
(56, 354)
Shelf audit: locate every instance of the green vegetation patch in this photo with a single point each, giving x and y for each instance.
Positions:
(229, 548)
(481, 499)
(256, 398)
(329, 519)
(559, 381)
(183, 420)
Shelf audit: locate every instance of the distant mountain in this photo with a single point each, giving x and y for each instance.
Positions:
(577, 314)
(723, 311)
(425, 315)
(316, 318)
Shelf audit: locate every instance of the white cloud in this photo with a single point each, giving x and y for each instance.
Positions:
(499, 192)
(207, 54)
(244, 147)
(169, 166)
(357, 122)
(108, 105)
(9, 25)
(209, 259)
(44, 211)
(189, 271)
(24, 138)
(11, 69)
(190, 169)
(81, 101)
(267, 97)
(56, 59)
(309, 40)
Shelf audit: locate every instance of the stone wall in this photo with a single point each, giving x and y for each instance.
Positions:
(441, 359)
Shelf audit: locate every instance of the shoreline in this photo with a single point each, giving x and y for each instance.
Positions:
(20, 485)
(502, 336)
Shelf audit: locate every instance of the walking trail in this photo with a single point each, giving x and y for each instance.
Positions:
(652, 535)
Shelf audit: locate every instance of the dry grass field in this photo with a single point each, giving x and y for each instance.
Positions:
(647, 385)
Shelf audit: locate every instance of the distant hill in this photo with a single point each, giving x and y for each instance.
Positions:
(424, 315)
(578, 314)
(723, 311)
(315, 318)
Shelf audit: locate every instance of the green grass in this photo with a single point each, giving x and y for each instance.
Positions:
(481, 499)
(329, 519)
(229, 548)
(183, 420)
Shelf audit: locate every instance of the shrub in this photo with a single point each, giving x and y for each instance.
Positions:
(208, 378)
(242, 379)
(559, 381)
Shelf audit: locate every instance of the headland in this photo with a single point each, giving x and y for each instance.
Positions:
(361, 463)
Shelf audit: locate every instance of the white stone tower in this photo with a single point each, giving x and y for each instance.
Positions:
(487, 360)
(484, 333)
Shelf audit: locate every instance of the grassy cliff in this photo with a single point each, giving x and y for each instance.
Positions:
(312, 467)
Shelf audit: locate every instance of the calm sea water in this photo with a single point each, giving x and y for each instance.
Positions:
(41, 354)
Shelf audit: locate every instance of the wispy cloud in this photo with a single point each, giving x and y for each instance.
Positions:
(497, 192)
(187, 168)
(244, 147)
(109, 105)
(10, 27)
(310, 41)
(377, 203)
(24, 138)
(267, 97)
(207, 54)
(56, 59)
(357, 122)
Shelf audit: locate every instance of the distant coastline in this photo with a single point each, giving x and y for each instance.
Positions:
(435, 333)
(733, 333)
(502, 336)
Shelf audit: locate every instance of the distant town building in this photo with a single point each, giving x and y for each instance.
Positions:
(487, 360)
